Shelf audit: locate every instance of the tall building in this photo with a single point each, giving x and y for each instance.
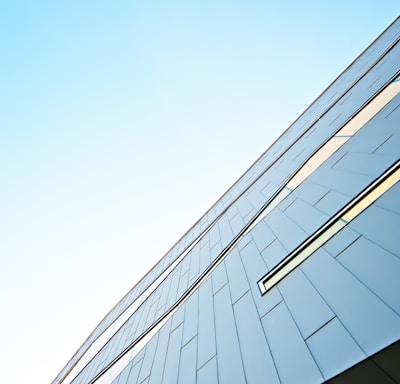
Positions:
(293, 276)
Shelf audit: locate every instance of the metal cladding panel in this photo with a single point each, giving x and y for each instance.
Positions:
(342, 352)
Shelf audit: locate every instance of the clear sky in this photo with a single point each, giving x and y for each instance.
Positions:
(121, 122)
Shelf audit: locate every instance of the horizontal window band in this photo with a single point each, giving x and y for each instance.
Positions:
(372, 196)
(350, 129)
(333, 226)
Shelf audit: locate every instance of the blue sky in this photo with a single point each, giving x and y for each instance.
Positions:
(121, 123)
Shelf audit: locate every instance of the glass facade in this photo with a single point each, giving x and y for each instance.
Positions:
(292, 276)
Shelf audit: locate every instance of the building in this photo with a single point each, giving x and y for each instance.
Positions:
(293, 275)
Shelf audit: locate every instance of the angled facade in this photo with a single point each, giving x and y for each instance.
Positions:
(293, 275)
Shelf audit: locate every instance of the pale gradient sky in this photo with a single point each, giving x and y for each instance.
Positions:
(121, 122)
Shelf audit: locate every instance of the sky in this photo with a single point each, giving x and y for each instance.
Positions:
(121, 123)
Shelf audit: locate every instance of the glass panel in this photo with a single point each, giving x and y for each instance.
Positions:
(316, 160)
